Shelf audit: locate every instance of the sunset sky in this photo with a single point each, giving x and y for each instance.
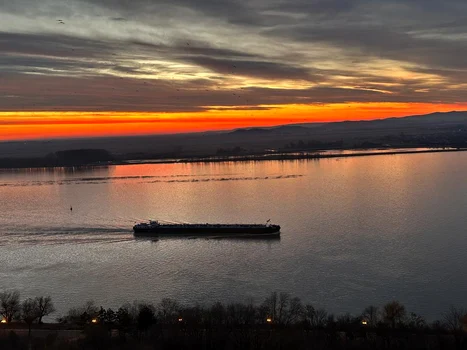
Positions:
(111, 67)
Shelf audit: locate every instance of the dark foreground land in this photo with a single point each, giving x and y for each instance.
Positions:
(218, 338)
(279, 322)
(303, 141)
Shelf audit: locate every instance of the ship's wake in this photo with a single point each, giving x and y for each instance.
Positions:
(64, 235)
(148, 179)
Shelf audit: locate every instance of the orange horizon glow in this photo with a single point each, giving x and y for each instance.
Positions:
(48, 125)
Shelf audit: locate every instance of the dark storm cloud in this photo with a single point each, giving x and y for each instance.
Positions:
(192, 48)
(40, 92)
(26, 52)
(316, 7)
(53, 45)
(381, 42)
(235, 11)
(259, 69)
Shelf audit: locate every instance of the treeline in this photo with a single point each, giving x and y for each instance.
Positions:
(313, 145)
(279, 309)
(279, 322)
(455, 138)
(231, 151)
(78, 157)
(29, 311)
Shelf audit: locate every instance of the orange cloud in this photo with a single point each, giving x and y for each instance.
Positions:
(42, 125)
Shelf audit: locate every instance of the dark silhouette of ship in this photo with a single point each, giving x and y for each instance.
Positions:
(157, 228)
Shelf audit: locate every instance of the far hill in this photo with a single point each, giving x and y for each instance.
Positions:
(278, 130)
(431, 130)
(437, 119)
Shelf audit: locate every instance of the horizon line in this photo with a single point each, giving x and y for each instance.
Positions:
(155, 134)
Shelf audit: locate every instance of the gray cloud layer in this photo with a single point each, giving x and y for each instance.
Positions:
(183, 55)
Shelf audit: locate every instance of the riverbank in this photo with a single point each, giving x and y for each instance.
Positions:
(280, 322)
(295, 155)
(298, 155)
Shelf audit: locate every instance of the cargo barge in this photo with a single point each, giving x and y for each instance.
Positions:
(156, 228)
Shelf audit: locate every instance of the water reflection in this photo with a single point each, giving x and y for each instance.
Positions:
(355, 231)
(56, 173)
(238, 238)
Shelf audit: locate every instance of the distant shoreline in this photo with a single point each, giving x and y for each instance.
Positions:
(297, 155)
(284, 156)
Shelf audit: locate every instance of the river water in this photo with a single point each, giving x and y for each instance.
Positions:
(355, 232)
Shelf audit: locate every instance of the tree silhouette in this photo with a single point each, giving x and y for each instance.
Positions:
(123, 319)
(393, 313)
(168, 311)
(281, 308)
(218, 314)
(81, 315)
(316, 318)
(370, 315)
(10, 306)
(294, 312)
(109, 316)
(44, 307)
(29, 313)
(145, 317)
(416, 321)
(453, 318)
(346, 320)
(240, 314)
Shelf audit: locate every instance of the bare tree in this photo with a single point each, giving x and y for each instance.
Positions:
(346, 320)
(124, 319)
(82, 314)
(370, 315)
(240, 314)
(453, 318)
(393, 313)
(316, 318)
(29, 312)
(218, 314)
(10, 306)
(270, 305)
(416, 321)
(168, 310)
(44, 307)
(282, 307)
(309, 314)
(295, 312)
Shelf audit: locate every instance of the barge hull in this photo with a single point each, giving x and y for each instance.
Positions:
(206, 231)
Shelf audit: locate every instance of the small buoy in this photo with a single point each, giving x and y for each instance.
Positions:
(71, 208)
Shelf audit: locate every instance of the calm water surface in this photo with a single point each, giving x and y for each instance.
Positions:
(355, 231)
